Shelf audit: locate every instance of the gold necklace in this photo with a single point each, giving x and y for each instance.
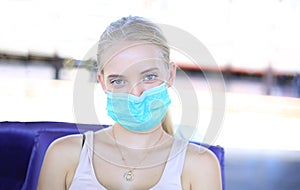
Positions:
(129, 174)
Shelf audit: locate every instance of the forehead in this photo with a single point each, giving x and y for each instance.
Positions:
(126, 57)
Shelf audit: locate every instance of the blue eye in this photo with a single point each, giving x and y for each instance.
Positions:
(150, 77)
(117, 82)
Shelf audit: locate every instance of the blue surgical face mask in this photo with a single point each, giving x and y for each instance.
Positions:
(139, 114)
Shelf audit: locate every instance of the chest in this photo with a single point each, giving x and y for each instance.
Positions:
(113, 176)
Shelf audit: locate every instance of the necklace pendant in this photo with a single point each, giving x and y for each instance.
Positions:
(129, 176)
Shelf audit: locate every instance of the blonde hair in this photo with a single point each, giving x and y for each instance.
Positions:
(135, 29)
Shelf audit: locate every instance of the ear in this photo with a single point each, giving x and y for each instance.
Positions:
(172, 70)
(100, 78)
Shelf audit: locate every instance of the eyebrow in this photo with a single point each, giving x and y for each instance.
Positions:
(112, 76)
(122, 76)
(148, 70)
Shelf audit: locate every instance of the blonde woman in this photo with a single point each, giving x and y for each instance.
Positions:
(139, 150)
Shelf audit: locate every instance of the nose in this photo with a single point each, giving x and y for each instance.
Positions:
(136, 90)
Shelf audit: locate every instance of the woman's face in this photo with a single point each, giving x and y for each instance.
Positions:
(134, 69)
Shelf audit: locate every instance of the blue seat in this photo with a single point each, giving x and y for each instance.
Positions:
(24, 144)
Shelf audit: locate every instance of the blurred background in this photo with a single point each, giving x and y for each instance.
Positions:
(255, 43)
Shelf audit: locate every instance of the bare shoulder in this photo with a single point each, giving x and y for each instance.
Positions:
(60, 162)
(201, 159)
(202, 168)
(67, 146)
(201, 153)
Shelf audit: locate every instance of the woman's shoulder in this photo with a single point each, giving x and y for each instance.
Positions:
(68, 141)
(202, 167)
(66, 147)
(61, 159)
(202, 155)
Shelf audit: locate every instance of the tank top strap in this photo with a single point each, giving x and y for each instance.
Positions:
(171, 176)
(177, 156)
(89, 144)
(84, 177)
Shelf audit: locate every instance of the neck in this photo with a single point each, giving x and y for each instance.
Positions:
(137, 140)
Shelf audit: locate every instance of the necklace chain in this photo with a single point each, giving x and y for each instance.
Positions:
(129, 174)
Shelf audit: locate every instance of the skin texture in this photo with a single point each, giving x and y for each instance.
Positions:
(133, 71)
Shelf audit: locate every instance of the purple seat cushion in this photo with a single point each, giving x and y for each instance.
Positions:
(15, 151)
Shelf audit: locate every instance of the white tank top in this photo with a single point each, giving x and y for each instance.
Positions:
(86, 179)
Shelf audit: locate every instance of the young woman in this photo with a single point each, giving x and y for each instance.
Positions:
(139, 150)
